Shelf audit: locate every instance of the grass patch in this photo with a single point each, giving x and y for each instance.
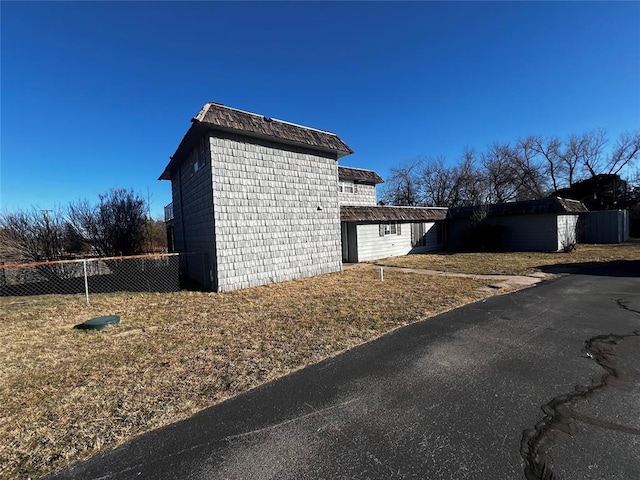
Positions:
(66, 394)
(513, 263)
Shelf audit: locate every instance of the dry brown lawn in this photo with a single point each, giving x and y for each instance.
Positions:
(66, 394)
(519, 263)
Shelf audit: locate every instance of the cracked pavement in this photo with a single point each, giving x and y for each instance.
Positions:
(543, 383)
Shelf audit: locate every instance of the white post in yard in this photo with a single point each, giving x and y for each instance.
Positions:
(86, 283)
(381, 274)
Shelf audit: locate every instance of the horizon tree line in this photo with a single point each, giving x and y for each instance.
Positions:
(117, 224)
(530, 168)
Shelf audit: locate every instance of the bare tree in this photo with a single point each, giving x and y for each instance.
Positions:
(529, 170)
(625, 152)
(34, 235)
(115, 226)
(472, 181)
(502, 179)
(571, 157)
(156, 238)
(452, 185)
(549, 150)
(439, 185)
(402, 186)
(593, 143)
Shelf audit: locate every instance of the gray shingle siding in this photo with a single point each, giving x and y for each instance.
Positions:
(268, 224)
(193, 216)
(365, 195)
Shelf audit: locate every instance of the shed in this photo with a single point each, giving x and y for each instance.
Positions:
(548, 224)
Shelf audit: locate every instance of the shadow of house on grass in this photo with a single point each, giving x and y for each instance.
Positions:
(617, 268)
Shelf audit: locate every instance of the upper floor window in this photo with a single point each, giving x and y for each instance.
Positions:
(198, 164)
(347, 186)
(200, 155)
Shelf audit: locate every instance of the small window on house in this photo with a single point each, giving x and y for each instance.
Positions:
(390, 228)
(198, 164)
(200, 156)
(346, 186)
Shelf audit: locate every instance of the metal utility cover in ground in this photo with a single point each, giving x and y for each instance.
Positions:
(99, 323)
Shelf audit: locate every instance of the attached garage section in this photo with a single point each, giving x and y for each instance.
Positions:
(543, 232)
(610, 226)
(373, 232)
(549, 224)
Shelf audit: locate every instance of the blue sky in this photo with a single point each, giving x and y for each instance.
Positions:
(97, 95)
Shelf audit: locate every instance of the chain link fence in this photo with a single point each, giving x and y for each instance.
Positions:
(140, 273)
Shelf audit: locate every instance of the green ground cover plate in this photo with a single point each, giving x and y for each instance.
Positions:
(99, 323)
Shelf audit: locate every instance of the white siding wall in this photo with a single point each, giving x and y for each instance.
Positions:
(567, 230)
(268, 226)
(365, 196)
(372, 246)
(430, 238)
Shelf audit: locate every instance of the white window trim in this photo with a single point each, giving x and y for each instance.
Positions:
(390, 228)
(200, 156)
(347, 186)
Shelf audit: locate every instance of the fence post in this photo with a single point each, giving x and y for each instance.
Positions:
(86, 282)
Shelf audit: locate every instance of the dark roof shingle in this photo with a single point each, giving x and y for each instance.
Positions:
(215, 116)
(391, 214)
(226, 118)
(527, 207)
(359, 175)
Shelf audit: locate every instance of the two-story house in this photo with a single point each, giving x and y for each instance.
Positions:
(261, 200)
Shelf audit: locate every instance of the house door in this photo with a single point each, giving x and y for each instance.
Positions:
(345, 242)
(417, 234)
(349, 242)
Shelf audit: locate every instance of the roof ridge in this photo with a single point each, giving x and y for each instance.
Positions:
(304, 126)
(357, 168)
(205, 108)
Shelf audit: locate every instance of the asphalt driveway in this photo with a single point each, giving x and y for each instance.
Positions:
(539, 384)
